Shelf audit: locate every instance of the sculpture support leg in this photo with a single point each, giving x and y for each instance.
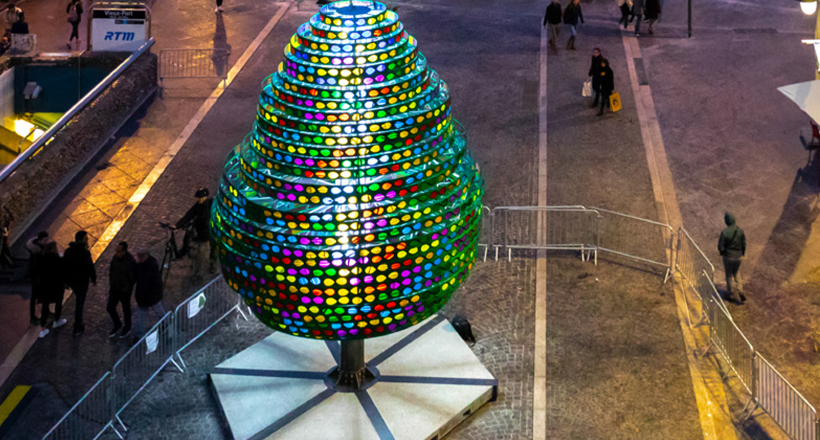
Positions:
(352, 373)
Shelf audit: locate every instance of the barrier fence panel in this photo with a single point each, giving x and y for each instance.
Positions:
(635, 238)
(201, 311)
(691, 263)
(89, 417)
(775, 395)
(546, 228)
(193, 63)
(485, 240)
(727, 340)
(141, 364)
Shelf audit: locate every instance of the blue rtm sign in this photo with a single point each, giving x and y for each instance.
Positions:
(119, 36)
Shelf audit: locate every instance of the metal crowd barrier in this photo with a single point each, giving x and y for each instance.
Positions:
(727, 340)
(486, 237)
(636, 238)
(141, 364)
(193, 63)
(202, 311)
(89, 417)
(691, 262)
(792, 412)
(547, 228)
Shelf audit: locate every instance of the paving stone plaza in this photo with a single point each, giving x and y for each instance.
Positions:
(583, 344)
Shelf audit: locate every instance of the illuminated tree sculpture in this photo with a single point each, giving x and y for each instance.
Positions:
(353, 208)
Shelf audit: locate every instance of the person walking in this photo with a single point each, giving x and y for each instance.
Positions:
(79, 271)
(732, 247)
(12, 14)
(606, 84)
(572, 13)
(219, 9)
(637, 14)
(74, 12)
(20, 26)
(35, 247)
(625, 6)
(149, 289)
(552, 19)
(652, 12)
(200, 216)
(595, 74)
(6, 259)
(122, 275)
(49, 271)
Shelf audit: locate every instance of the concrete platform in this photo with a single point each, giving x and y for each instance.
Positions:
(429, 382)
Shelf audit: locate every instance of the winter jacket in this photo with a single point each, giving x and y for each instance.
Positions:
(652, 9)
(149, 283)
(606, 80)
(595, 70)
(553, 15)
(572, 14)
(19, 27)
(637, 7)
(78, 265)
(732, 241)
(200, 215)
(34, 252)
(79, 10)
(12, 14)
(122, 274)
(49, 272)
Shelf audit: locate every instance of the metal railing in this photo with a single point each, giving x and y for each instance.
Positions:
(792, 412)
(89, 417)
(142, 363)
(72, 112)
(101, 407)
(691, 262)
(193, 63)
(547, 228)
(201, 311)
(636, 238)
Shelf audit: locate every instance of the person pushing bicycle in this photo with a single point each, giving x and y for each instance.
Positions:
(199, 215)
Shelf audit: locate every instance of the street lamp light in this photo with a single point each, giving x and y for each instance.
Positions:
(810, 7)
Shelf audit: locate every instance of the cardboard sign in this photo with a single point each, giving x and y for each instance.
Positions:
(151, 342)
(196, 305)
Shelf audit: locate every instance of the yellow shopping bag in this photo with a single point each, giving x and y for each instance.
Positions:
(615, 102)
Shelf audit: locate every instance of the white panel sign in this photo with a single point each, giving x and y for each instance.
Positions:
(151, 342)
(196, 305)
(118, 30)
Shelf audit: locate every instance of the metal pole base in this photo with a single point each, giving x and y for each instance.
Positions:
(352, 374)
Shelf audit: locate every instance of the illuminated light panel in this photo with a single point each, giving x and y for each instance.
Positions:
(353, 208)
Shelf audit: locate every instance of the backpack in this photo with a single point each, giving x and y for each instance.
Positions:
(463, 328)
(73, 17)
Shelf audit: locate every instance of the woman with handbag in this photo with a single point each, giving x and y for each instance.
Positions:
(74, 12)
(606, 84)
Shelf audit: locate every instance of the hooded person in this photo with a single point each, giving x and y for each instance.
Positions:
(35, 247)
(122, 274)
(49, 270)
(732, 247)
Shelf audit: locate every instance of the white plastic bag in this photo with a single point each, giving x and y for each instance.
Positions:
(587, 91)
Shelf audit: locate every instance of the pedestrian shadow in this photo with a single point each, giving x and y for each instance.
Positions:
(782, 252)
(222, 50)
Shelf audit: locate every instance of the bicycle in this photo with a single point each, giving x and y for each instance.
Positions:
(172, 252)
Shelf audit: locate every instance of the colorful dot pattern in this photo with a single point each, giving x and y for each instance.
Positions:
(353, 208)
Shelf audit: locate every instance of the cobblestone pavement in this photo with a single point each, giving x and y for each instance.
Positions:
(733, 145)
(110, 179)
(66, 367)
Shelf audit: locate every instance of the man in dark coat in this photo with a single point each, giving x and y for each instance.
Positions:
(122, 274)
(652, 12)
(595, 73)
(200, 216)
(35, 247)
(572, 14)
(80, 270)
(552, 19)
(149, 289)
(637, 14)
(49, 271)
(606, 84)
(732, 247)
